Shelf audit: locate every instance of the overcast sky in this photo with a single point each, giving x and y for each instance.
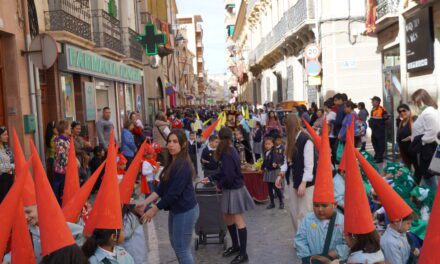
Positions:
(213, 14)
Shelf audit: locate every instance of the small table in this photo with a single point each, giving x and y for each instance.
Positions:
(255, 186)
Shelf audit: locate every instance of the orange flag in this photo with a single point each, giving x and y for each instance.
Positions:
(71, 185)
(208, 131)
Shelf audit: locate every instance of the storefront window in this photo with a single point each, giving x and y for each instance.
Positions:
(67, 88)
(129, 99)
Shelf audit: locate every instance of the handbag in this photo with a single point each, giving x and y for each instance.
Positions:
(434, 166)
(323, 258)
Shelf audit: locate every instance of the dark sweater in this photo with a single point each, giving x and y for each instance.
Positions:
(208, 155)
(230, 176)
(177, 194)
(269, 159)
(279, 152)
(298, 162)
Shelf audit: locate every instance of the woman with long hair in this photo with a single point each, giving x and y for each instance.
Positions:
(177, 195)
(302, 162)
(236, 199)
(423, 134)
(273, 124)
(404, 133)
(6, 164)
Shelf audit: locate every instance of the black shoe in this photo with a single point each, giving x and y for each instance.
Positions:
(240, 259)
(281, 206)
(270, 206)
(230, 251)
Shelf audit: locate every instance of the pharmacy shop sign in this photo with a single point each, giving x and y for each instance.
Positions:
(89, 63)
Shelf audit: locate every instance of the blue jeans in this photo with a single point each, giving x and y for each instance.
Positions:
(58, 186)
(180, 229)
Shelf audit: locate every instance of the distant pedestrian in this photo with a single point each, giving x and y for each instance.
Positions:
(62, 145)
(128, 144)
(406, 120)
(363, 115)
(377, 122)
(160, 134)
(7, 165)
(51, 135)
(104, 126)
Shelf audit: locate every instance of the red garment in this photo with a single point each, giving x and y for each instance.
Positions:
(121, 161)
(176, 124)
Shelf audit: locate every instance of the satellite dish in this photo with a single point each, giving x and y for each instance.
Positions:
(154, 61)
(43, 51)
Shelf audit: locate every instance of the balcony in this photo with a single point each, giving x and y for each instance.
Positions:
(70, 16)
(387, 12)
(132, 48)
(107, 31)
(293, 21)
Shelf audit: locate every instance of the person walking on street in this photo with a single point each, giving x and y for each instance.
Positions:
(406, 120)
(423, 135)
(62, 144)
(127, 142)
(377, 123)
(236, 198)
(161, 130)
(301, 157)
(6, 164)
(177, 195)
(103, 127)
(363, 115)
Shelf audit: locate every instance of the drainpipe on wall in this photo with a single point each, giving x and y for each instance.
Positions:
(402, 47)
(35, 96)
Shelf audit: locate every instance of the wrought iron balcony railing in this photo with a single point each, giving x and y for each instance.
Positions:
(106, 31)
(387, 7)
(132, 48)
(70, 16)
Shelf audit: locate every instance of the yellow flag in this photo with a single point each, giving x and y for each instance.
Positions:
(219, 124)
(206, 122)
(224, 119)
(246, 116)
(197, 116)
(242, 111)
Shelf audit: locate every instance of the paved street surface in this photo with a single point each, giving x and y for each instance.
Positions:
(269, 240)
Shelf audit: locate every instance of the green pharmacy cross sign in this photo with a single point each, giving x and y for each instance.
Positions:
(151, 40)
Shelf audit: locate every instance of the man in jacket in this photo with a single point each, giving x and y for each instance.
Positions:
(377, 123)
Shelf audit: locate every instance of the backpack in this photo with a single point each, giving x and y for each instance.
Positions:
(360, 127)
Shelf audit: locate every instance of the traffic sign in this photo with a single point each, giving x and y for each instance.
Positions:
(43, 51)
(313, 68)
(312, 52)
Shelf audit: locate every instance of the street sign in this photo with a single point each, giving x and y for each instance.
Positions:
(43, 51)
(313, 68)
(312, 51)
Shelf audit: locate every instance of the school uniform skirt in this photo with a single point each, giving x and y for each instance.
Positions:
(237, 201)
(271, 175)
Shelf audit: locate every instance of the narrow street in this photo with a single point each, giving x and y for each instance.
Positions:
(269, 240)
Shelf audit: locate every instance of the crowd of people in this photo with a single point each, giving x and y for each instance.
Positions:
(345, 203)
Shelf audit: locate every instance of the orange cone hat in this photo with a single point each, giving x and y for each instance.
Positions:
(54, 232)
(73, 208)
(21, 247)
(395, 207)
(20, 161)
(106, 212)
(9, 206)
(324, 191)
(315, 137)
(208, 131)
(357, 215)
(71, 185)
(430, 254)
(127, 184)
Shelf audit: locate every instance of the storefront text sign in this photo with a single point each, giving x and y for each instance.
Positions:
(420, 41)
(89, 63)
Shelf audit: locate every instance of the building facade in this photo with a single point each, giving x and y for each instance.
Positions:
(271, 38)
(191, 26)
